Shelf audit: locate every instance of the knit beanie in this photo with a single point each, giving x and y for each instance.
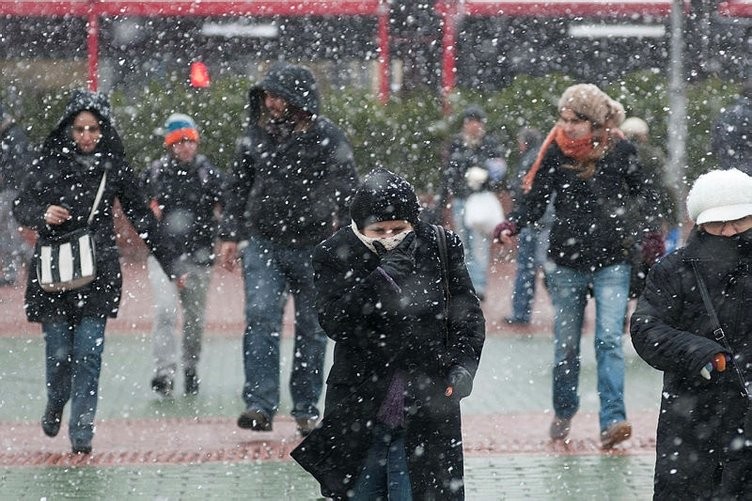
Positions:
(474, 113)
(720, 195)
(179, 127)
(384, 196)
(588, 101)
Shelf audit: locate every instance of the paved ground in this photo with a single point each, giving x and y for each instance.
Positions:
(169, 449)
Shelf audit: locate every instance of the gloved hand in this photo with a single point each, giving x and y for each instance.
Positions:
(653, 247)
(399, 261)
(460, 382)
(503, 226)
(717, 364)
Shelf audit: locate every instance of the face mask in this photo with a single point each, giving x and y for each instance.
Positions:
(389, 243)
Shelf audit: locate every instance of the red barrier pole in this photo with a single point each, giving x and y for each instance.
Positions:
(92, 48)
(384, 62)
(448, 42)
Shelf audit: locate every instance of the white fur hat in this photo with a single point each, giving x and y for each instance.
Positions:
(720, 195)
(634, 126)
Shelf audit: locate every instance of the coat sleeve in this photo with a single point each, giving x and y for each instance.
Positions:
(238, 184)
(30, 203)
(347, 302)
(136, 208)
(531, 206)
(466, 323)
(653, 327)
(344, 178)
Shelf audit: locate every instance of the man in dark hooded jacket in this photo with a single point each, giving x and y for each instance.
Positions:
(731, 136)
(289, 189)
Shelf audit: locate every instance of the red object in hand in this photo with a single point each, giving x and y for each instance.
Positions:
(504, 226)
(719, 362)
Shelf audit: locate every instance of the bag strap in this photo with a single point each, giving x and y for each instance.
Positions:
(443, 257)
(97, 199)
(718, 333)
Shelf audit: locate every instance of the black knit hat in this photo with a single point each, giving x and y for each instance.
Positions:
(384, 196)
(474, 112)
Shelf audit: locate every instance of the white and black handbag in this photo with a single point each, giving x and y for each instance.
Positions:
(69, 261)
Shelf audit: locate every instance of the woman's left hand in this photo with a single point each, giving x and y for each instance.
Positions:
(56, 214)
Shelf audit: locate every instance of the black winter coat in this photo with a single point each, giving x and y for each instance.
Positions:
(598, 221)
(188, 194)
(701, 421)
(62, 178)
(378, 331)
(294, 189)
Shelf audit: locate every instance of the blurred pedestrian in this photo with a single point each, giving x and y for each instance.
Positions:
(475, 164)
(408, 338)
(653, 161)
(81, 171)
(731, 139)
(532, 240)
(600, 189)
(16, 158)
(289, 189)
(185, 194)
(691, 322)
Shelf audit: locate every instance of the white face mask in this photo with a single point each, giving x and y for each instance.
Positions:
(389, 243)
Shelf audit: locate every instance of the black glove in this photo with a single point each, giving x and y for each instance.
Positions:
(399, 261)
(460, 382)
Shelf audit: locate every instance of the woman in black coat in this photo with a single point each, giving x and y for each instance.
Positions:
(404, 354)
(57, 198)
(700, 445)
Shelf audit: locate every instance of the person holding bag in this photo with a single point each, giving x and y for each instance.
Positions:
(408, 331)
(71, 190)
(693, 323)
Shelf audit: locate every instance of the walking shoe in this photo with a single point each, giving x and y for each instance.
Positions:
(616, 433)
(191, 382)
(560, 428)
(255, 419)
(81, 447)
(51, 421)
(162, 385)
(306, 425)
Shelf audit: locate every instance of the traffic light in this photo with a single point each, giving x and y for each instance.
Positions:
(200, 78)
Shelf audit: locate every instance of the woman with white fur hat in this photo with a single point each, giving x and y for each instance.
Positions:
(703, 439)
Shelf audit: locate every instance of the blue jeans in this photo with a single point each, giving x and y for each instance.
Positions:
(385, 474)
(477, 247)
(73, 355)
(569, 289)
(524, 281)
(270, 271)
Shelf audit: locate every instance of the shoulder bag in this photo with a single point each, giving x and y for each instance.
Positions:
(69, 261)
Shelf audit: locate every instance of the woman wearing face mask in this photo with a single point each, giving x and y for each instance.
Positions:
(404, 356)
(703, 439)
(56, 198)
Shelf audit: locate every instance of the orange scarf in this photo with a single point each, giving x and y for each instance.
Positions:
(585, 151)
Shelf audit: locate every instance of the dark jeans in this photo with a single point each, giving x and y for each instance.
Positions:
(270, 271)
(74, 360)
(384, 474)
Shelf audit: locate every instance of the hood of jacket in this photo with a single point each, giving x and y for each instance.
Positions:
(60, 138)
(295, 84)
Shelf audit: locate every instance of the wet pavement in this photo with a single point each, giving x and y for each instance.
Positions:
(190, 447)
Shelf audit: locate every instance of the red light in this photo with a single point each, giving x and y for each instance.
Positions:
(200, 78)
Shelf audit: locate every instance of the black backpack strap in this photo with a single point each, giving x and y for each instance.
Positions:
(444, 258)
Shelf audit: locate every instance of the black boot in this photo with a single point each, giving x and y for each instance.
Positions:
(162, 385)
(51, 421)
(191, 382)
